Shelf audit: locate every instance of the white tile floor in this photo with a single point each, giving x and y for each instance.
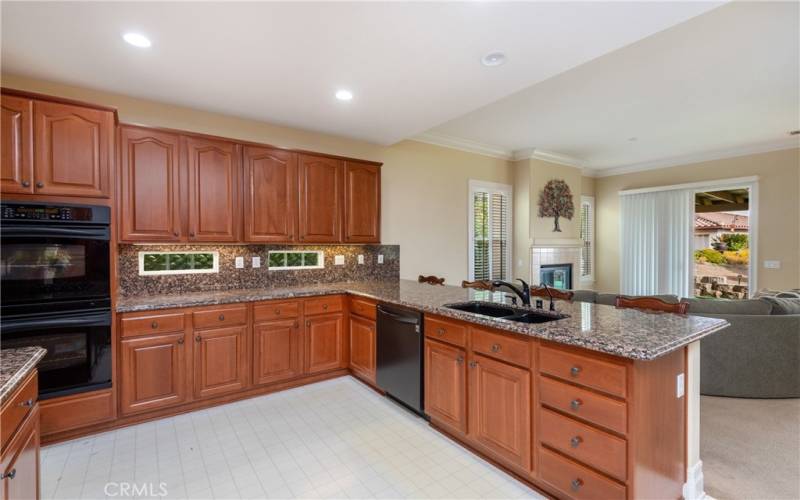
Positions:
(334, 439)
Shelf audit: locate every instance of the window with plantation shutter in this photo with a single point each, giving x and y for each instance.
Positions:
(490, 231)
(587, 236)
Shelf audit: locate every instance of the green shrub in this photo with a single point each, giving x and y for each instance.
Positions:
(709, 255)
(731, 242)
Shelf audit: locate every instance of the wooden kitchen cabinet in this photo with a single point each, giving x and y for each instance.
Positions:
(362, 209)
(270, 195)
(214, 189)
(277, 351)
(321, 199)
(220, 361)
(150, 205)
(73, 149)
(20, 462)
(500, 409)
(16, 148)
(153, 373)
(446, 385)
(362, 348)
(325, 343)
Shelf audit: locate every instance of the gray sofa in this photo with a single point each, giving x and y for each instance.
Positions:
(758, 356)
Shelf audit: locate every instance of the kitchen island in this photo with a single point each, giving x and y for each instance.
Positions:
(591, 404)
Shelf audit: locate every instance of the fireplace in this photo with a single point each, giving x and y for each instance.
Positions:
(556, 275)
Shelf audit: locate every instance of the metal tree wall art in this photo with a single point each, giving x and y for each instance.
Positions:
(555, 200)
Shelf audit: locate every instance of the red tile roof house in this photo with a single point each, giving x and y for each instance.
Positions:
(708, 226)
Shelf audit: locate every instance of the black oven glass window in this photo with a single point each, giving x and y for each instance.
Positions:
(43, 263)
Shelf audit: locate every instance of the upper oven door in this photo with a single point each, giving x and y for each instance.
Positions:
(53, 263)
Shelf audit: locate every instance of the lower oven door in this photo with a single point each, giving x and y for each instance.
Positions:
(78, 347)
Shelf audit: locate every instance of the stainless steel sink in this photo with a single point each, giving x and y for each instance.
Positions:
(518, 314)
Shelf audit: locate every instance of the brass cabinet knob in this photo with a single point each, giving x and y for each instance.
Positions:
(180, 341)
(495, 347)
(460, 360)
(40, 184)
(175, 233)
(154, 325)
(197, 339)
(574, 371)
(576, 484)
(575, 404)
(440, 331)
(324, 307)
(26, 184)
(222, 317)
(473, 364)
(576, 441)
(27, 403)
(308, 323)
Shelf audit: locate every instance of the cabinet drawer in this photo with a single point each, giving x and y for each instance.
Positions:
(574, 480)
(323, 305)
(20, 404)
(502, 347)
(591, 446)
(583, 404)
(363, 308)
(153, 323)
(446, 331)
(598, 374)
(268, 311)
(223, 316)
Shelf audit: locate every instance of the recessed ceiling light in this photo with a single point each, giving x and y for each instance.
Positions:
(794, 132)
(344, 95)
(493, 59)
(137, 40)
(633, 139)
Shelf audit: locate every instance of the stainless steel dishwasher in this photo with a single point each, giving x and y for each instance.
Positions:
(399, 355)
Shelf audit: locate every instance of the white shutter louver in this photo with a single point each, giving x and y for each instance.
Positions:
(490, 245)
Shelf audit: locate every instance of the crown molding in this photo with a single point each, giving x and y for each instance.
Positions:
(548, 156)
(720, 154)
(464, 145)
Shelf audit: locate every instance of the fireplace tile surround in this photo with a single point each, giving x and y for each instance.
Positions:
(560, 254)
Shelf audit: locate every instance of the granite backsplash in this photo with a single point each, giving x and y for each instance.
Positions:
(230, 278)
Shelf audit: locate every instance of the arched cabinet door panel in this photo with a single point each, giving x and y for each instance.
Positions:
(362, 188)
(321, 199)
(73, 150)
(270, 195)
(16, 129)
(150, 181)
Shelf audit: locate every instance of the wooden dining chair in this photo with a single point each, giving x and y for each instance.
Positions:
(478, 285)
(431, 280)
(557, 294)
(651, 304)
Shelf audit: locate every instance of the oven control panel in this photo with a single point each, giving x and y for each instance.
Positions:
(41, 212)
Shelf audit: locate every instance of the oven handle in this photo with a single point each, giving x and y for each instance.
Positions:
(94, 233)
(90, 319)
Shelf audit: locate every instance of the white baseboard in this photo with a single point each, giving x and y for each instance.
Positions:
(693, 488)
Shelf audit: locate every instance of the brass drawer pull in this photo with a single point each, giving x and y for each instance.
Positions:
(574, 371)
(277, 312)
(440, 331)
(576, 484)
(324, 307)
(222, 317)
(154, 325)
(575, 404)
(495, 347)
(197, 339)
(576, 441)
(460, 360)
(180, 341)
(26, 184)
(473, 364)
(27, 403)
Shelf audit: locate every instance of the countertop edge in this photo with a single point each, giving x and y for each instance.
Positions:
(11, 385)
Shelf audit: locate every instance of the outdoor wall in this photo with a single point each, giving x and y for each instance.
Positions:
(778, 211)
(424, 187)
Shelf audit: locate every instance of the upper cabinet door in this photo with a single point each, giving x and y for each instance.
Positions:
(16, 149)
(270, 195)
(362, 194)
(321, 199)
(73, 148)
(213, 170)
(150, 208)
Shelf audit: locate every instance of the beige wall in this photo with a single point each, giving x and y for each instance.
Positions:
(522, 219)
(424, 187)
(778, 211)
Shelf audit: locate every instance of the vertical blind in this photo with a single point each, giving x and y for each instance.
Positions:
(490, 242)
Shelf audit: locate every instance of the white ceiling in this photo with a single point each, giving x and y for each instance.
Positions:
(411, 66)
(725, 81)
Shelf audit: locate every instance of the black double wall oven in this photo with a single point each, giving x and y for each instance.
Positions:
(55, 278)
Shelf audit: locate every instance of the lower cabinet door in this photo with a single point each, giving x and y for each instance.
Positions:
(362, 347)
(220, 361)
(20, 466)
(500, 410)
(277, 351)
(325, 343)
(154, 370)
(446, 385)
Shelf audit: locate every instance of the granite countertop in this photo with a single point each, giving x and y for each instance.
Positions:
(15, 365)
(626, 333)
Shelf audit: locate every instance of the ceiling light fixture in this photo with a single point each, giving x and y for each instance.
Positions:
(344, 95)
(137, 40)
(493, 59)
